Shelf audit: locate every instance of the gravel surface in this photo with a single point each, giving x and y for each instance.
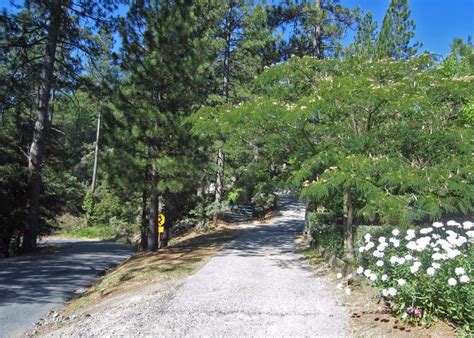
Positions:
(30, 287)
(258, 285)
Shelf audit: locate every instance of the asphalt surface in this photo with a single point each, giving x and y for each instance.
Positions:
(30, 287)
(257, 285)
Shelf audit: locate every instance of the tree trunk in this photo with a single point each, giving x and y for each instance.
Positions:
(35, 155)
(317, 39)
(144, 227)
(348, 224)
(226, 67)
(96, 154)
(219, 180)
(153, 222)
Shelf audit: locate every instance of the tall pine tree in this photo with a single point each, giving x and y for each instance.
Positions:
(397, 32)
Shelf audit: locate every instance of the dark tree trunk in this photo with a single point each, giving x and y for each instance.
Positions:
(153, 222)
(144, 227)
(348, 224)
(35, 155)
(317, 38)
(219, 179)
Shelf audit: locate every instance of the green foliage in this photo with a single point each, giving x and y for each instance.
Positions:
(326, 234)
(263, 199)
(397, 32)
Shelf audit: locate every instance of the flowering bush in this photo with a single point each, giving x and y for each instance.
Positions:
(424, 273)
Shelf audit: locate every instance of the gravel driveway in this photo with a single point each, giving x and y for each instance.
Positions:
(32, 286)
(258, 285)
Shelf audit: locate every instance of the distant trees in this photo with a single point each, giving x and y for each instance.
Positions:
(397, 31)
(317, 27)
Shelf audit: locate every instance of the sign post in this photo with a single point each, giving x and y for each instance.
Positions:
(161, 228)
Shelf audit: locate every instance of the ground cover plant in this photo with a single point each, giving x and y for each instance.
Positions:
(424, 273)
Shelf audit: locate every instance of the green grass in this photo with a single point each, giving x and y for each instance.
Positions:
(99, 232)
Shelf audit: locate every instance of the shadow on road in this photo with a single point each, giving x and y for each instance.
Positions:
(54, 277)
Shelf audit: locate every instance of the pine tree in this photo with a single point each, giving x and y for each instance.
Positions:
(365, 38)
(397, 32)
(53, 37)
(318, 27)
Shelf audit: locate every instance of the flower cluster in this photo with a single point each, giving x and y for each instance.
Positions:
(429, 268)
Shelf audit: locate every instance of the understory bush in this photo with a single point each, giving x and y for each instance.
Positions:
(263, 199)
(424, 273)
(328, 236)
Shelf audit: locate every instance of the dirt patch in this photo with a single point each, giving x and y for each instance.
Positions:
(370, 317)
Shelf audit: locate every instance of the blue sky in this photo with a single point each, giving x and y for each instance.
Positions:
(438, 22)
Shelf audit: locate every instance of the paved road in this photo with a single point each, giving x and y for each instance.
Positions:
(258, 285)
(32, 286)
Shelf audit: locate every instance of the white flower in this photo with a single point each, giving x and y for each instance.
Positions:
(411, 245)
(437, 224)
(339, 275)
(453, 223)
(453, 253)
(408, 257)
(464, 279)
(349, 276)
(414, 268)
(459, 271)
(395, 232)
(382, 239)
(461, 240)
(360, 270)
(377, 254)
(379, 263)
(401, 261)
(392, 291)
(367, 238)
(373, 277)
(437, 256)
(396, 243)
(436, 265)
(411, 232)
(394, 259)
(384, 292)
(425, 231)
(436, 236)
(452, 282)
(384, 277)
(401, 282)
(361, 249)
(340, 286)
(467, 225)
(470, 233)
(369, 245)
(367, 272)
(381, 247)
(430, 271)
(348, 291)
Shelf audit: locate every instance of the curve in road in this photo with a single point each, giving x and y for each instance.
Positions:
(30, 287)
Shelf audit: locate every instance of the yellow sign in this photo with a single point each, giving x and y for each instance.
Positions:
(161, 220)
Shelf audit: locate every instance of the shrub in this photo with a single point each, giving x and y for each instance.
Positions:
(328, 236)
(424, 273)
